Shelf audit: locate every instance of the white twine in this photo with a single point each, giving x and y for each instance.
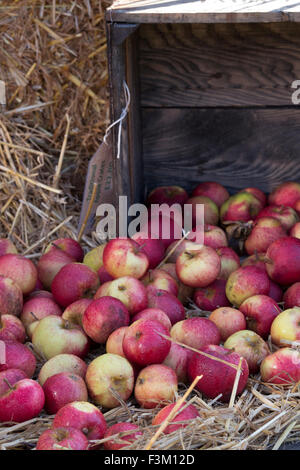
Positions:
(120, 120)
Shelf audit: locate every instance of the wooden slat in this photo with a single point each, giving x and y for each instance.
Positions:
(236, 147)
(208, 11)
(219, 65)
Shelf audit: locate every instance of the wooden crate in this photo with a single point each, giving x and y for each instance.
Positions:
(211, 93)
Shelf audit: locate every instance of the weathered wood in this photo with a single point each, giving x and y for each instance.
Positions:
(208, 11)
(218, 65)
(236, 147)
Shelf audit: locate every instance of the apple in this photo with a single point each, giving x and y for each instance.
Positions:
(214, 237)
(213, 296)
(260, 311)
(21, 270)
(18, 356)
(11, 328)
(186, 414)
(37, 308)
(295, 230)
(125, 435)
(73, 282)
(103, 316)
(103, 275)
(74, 312)
(11, 297)
(153, 248)
(158, 298)
(129, 290)
(167, 195)
(283, 261)
(107, 374)
(285, 215)
(156, 386)
(83, 416)
(230, 261)
(215, 191)
(161, 280)
(114, 343)
(50, 264)
(257, 193)
(23, 401)
(94, 258)
(286, 194)
(211, 211)
(63, 388)
(218, 378)
(143, 343)
(264, 232)
(63, 438)
(124, 257)
(154, 314)
(257, 259)
(246, 282)
(178, 359)
(275, 292)
(7, 246)
(291, 297)
(62, 363)
(228, 320)
(241, 207)
(9, 377)
(198, 267)
(54, 335)
(282, 367)
(69, 246)
(249, 345)
(286, 327)
(196, 332)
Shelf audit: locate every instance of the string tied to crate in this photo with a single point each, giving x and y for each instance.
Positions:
(120, 120)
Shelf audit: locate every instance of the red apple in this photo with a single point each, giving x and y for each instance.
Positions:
(291, 297)
(75, 311)
(7, 246)
(295, 230)
(283, 261)
(73, 282)
(246, 282)
(11, 297)
(241, 207)
(178, 359)
(62, 363)
(260, 311)
(153, 248)
(143, 343)
(160, 279)
(286, 327)
(249, 345)
(156, 386)
(24, 400)
(129, 290)
(38, 308)
(211, 211)
(69, 246)
(167, 302)
(230, 261)
(213, 296)
(9, 377)
(167, 195)
(214, 237)
(285, 215)
(228, 320)
(114, 343)
(196, 332)
(125, 434)
(50, 264)
(218, 378)
(186, 414)
(257, 193)
(282, 367)
(264, 232)
(198, 267)
(275, 292)
(154, 314)
(103, 316)
(103, 275)
(12, 328)
(83, 416)
(63, 388)
(215, 191)
(54, 335)
(107, 374)
(21, 270)
(18, 356)
(286, 194)
(124, 257)
(63, 438)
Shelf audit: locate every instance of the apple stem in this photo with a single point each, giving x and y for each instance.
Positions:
(34, 316)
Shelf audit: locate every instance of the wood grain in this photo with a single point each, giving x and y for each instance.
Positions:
(218, 65)
(236, 147)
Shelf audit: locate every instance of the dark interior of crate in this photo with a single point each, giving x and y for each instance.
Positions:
(216, 103)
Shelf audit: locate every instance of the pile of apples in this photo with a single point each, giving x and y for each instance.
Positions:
(130, 296)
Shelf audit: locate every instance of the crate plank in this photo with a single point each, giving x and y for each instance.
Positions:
(218, 65)
(236, 147)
